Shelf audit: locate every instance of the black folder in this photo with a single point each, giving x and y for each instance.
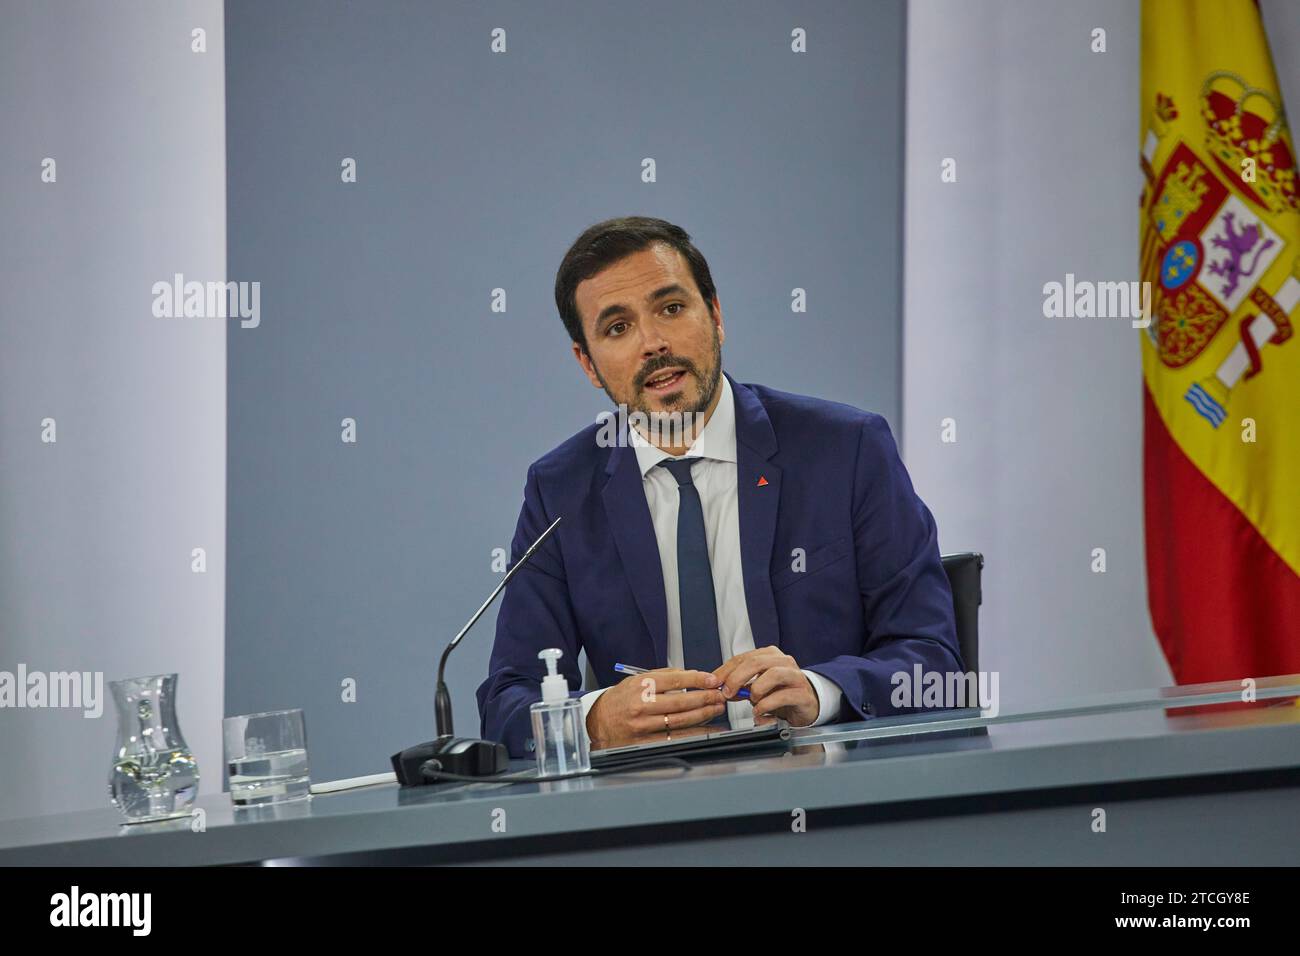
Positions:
(773, 736)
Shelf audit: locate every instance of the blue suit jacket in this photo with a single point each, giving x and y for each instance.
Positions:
(871, 600)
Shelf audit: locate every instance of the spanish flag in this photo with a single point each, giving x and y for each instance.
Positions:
(1220, 247)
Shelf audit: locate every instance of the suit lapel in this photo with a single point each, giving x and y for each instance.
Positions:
(758, 495)
(634, 536)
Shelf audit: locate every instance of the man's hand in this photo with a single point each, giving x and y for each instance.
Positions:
(779, 687)
(633, 710)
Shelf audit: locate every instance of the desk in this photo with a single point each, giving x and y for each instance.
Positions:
(1207, 789)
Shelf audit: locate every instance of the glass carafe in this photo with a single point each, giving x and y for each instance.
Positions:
(154, 775)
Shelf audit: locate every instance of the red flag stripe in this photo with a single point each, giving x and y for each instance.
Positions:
(1223, 603)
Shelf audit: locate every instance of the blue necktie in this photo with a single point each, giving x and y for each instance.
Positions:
(701, 649)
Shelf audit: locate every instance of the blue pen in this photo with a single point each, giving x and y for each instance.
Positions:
(741, 694)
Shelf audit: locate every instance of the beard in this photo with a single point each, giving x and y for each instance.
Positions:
(708, 381)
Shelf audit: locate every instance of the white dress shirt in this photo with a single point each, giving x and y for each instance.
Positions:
(714, 478)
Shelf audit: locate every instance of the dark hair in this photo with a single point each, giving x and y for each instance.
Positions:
(605, 243)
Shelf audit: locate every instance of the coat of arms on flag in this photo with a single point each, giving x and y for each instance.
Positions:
(1207, 243)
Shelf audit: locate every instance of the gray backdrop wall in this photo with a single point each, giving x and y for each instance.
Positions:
(98, 527)
(475, 171)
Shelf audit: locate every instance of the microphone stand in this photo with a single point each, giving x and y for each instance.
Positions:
(462, 756)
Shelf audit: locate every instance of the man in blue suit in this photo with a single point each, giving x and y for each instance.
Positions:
(774, 543)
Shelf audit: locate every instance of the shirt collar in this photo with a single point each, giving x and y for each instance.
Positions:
(716, 441)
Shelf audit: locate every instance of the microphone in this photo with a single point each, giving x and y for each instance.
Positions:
(462, 756)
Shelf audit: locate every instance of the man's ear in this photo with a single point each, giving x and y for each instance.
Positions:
(584, 360)
(717, 318)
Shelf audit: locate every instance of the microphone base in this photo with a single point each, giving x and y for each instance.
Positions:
(463, 756)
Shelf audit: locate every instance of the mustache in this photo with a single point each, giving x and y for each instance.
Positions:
(657, 366)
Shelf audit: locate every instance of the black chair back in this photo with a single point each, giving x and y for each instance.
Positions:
(963, 571)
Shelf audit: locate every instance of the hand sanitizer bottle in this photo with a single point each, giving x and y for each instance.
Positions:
(557, 724)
